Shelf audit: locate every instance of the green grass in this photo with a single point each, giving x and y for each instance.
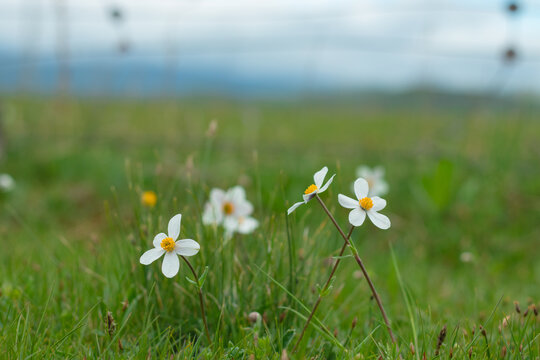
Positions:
(463, 178)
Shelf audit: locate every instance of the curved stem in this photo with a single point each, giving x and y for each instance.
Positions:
(201, 299)
(364, 271)
(319, 299)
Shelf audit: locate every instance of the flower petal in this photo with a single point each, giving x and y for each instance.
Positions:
(213, 214)
(319, 176)
(170, 265)
(230, 223)
(361, 188)
(174, 226)
(308, 197)
(323, 189)
(236, 194)
(243, 208)
(347, 202)
(380, 187)
(187, 247)
(247, 225)
(364, 171)
(151, 255)
(378, 172)
(379, 220)
(357, 217)
(157, 240)
(378, 203)
(292, 208)
(217, 196)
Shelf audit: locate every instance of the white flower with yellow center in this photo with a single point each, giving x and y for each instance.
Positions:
(314, 189)
(6, 183)
(375, 178)
(230, 209)
(364, 205)
(168, 245)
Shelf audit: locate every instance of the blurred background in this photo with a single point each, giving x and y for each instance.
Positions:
(268, 48)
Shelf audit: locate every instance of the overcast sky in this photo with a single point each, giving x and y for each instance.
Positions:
(457, 44)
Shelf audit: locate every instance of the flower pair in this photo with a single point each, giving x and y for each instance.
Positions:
(362, 206)
(230, 209)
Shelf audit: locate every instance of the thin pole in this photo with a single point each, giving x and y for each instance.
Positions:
(319, 299)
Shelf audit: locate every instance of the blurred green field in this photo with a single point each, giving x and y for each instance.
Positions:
(464, 177)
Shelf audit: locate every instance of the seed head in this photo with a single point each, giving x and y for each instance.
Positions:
(411, 347)
(483, 331)
(111, 324)
(125, 305)
(254, 316)
(440, 339)
(212, 129)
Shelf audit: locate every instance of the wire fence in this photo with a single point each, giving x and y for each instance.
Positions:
(235, 29)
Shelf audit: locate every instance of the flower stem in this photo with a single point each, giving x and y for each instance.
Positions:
(325, 288)
(364, 271)
(201, 299)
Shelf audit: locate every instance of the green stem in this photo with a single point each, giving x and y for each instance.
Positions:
(325, 288)
(201, 299)
(364, 271)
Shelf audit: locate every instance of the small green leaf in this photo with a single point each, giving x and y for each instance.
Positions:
(325, 292)
(341, 257)
(202, 278)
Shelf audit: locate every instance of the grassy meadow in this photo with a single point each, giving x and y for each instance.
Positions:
(464, 202)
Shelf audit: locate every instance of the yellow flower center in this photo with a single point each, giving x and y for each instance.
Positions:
(366, 203)
(311, 188)
(228, 208)
(168, 244)
(149, 198)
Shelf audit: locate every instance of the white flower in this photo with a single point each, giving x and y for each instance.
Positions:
(230, 209)
(375, 178)
(364, 205)
(167, 244)
(315, 188)
(6, 183)
(240, 224)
